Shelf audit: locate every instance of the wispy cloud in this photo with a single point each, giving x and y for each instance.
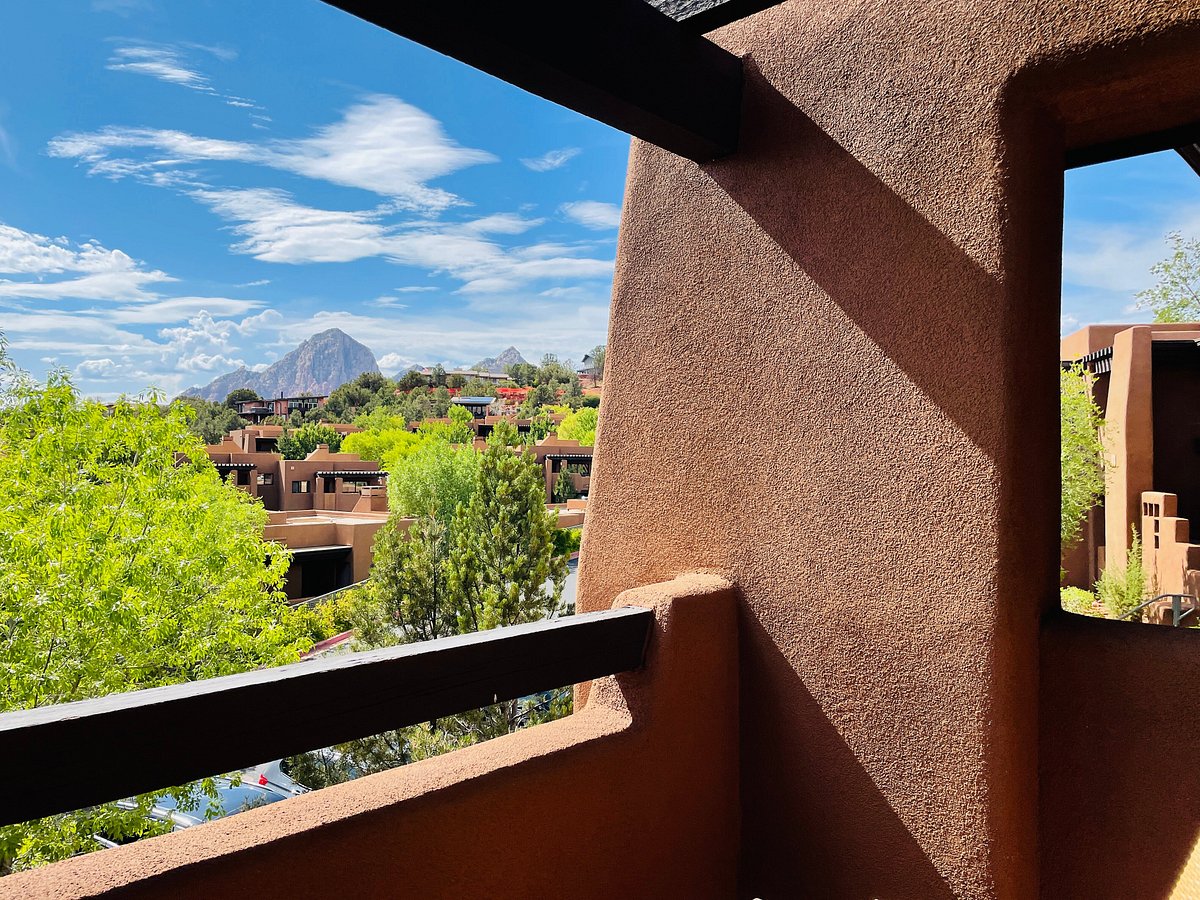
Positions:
(161, 62)
(592, 214)
(381, 144)
(276, 228)
(553, 159)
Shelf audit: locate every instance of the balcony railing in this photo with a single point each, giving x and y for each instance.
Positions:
(146, 740)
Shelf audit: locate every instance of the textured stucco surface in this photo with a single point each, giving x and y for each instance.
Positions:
(856, 318)
(646, 772)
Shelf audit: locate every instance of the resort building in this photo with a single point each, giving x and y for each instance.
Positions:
(322, 481)
(1146, 381)
(330, 549)
(255, 411)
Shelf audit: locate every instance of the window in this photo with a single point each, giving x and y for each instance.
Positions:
(1126, 544)
(266, 478)
(299, 487)
(353, 487)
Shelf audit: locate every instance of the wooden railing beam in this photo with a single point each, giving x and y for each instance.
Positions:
(75, 755)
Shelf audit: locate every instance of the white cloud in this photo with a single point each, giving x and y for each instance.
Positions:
(386, 302)
(97, 368)
(275, 228)
(101, 274)
(553, 159)
(414, 289)
(391, 363)
(161, 62)
(381, 144)
(592, 214)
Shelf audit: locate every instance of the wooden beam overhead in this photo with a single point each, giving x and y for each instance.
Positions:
(621, 62)
(700, 16)
(80, 754)
(1178, 139)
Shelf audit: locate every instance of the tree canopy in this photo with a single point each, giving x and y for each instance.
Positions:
(580, 426)
(297, 444)
(125, 563)
(211, 421)
(1176, 295)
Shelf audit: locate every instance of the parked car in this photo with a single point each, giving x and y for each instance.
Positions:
(231, 799)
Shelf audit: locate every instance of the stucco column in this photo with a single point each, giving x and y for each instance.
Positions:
(1128, 440)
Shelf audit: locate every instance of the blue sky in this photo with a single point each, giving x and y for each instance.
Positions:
(187, 187)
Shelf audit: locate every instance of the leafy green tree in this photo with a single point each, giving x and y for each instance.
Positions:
(437, 376)
(304, 440)
(494, 558)
(580, 426)
(1176, 295)
(460, 415)
(540, 427)
(522, 374)
(410, 380)
(211, 421)
(448, 432)
(432, 481)
(240, 395)
(122, 566)
(366, 392)
(1081, 452)
(477, 387)
(455, 381)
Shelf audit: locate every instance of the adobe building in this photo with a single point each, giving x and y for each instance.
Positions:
(255, 411)
(265, 438)
(330, 549)
(1146, 381)
(321, 481)
(554, 454)
(859, 680)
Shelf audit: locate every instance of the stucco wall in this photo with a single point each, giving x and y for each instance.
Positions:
(883, 247)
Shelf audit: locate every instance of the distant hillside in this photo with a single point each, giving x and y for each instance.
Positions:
(497, 364)
(323, 362)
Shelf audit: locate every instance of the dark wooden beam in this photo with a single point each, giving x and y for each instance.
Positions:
(1154, 142)
(1191, 155)
(619, 61)
(76, 755)
(700, 16)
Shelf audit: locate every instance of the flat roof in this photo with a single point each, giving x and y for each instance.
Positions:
(473, 401)
(328, 548)
(355, 472)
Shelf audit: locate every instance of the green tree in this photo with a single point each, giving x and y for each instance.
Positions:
(365, 393)
(540, 427)
(432, 481)
(502, 545)
(122, 566)
(447, 432)
(1080, 450)
(580, 426)
(496, 563)
(523, 374)
(410, 380)
(460, 415)
(564, 487)
(240, 395)
(304, 440)
(1176, 295)
(211, 421)
(456, 381)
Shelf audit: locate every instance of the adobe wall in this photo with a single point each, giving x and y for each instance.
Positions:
(1128, 440)
(883, 250)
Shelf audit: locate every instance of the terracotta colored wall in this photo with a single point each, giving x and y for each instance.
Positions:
(1128, 440)
(885, 246)
(648, 771)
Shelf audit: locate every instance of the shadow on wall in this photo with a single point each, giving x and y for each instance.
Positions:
(848, 842)
(878, 269)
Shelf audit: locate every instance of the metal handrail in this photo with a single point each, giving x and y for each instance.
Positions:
(1178, 613)
(144, 741)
